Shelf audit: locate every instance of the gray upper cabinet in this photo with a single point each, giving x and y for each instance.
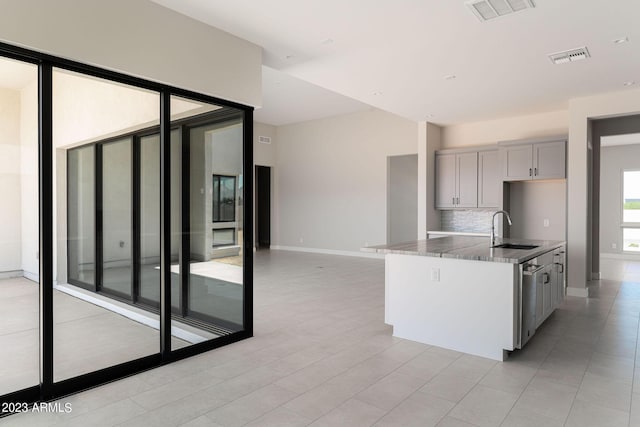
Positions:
(489, 179)
(533, 159)
(517, 163)
(445, 181)
(467, 174)
(457, 180)
(549, 160)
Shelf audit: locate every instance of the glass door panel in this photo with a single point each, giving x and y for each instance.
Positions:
(94, 124)
(81, 216)
(149, 263)
(176, 160)
(215, 275)
(117, 234)
(19, 222)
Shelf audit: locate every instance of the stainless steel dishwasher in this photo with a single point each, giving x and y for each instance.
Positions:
(530, 275)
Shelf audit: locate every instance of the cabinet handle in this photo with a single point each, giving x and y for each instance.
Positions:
(453, 200)
(535, 171)
(560, 267)
(529, 171)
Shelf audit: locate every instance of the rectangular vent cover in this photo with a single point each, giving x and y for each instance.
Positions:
(264, 140)
(571, 55)
(489, 9)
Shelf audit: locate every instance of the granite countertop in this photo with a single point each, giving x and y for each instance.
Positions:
(470, 248)
(456, 233)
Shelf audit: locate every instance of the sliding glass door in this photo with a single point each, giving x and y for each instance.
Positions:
(113, 261)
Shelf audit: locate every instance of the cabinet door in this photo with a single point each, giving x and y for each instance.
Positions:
(467, 173)
(445, 180)
(549, 160)
(488, 179)
(517, 163)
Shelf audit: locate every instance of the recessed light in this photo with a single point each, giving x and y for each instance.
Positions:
(327, 41)
(621, 40)
(290, 56)
(377, 93)
(449, 77)
(429, 116)
(629, 83)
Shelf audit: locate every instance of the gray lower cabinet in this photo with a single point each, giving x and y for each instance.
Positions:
(549, 284)
(533, 159)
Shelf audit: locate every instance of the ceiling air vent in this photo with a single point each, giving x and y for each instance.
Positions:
(264, 139)
(571, 55)
(489, 9)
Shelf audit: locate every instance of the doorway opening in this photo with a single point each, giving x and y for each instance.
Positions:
(263, 207)
(616, 198)
(402, 198)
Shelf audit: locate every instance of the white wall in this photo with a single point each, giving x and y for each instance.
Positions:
(578, 176)
(10, 191)
(531, 202)
(506, 128)
(332, 178)
(266, 155)
(140, 38)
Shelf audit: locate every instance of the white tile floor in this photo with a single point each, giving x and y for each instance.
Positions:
(322, 356)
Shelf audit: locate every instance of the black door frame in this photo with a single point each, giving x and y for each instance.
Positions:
(48, 389)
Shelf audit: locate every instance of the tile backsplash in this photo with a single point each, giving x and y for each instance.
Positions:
(472, 221)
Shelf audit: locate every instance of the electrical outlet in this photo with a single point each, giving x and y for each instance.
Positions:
(545, 222)
(435, 274)
(614, 246)
(301, 240)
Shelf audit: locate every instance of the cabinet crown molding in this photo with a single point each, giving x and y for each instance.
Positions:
(555, 138)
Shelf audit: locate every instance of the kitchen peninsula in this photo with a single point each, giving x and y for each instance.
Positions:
(459, 293)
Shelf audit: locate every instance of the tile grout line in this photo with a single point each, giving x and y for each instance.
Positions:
(411, 394)
(352, 396)
(590, 358)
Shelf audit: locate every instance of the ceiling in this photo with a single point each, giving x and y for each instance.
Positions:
(395, 54)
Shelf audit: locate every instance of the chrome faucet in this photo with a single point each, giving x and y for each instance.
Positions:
(493, 220)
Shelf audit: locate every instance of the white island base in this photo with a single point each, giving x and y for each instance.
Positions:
(463, 305)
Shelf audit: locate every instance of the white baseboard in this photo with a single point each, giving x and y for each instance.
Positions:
(629, 257)
(328, 251)
(34, 277)
(11, 274)
(577, 292)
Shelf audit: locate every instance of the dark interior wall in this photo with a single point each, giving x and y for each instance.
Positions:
(604, 127)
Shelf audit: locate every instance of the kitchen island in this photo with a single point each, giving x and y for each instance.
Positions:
(457, 292)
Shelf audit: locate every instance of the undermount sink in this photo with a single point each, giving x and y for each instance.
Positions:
(514, 246)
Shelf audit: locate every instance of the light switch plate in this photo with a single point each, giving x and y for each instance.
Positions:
(435, 274)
